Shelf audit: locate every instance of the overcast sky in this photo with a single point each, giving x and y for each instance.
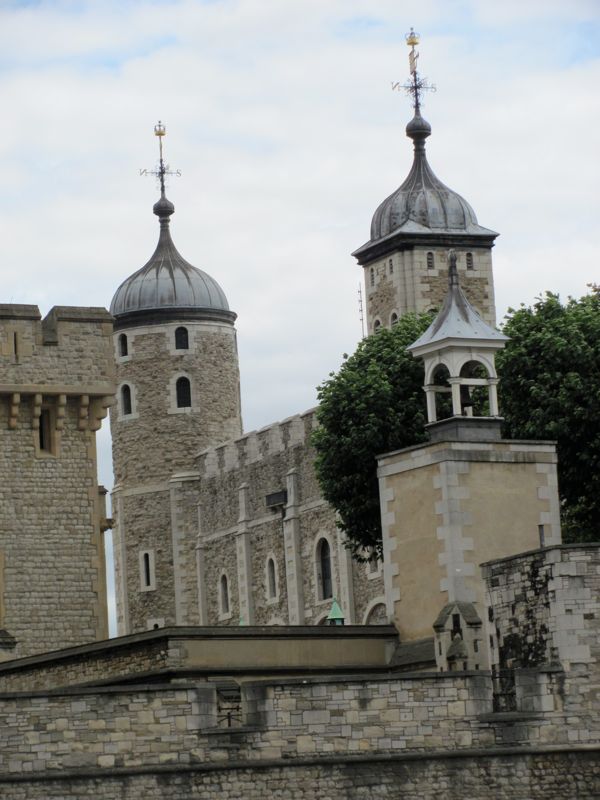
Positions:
(281, 117)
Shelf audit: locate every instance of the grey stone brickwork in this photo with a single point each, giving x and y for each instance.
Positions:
(413, 286)
(279, 458)
(157, 440)
(56, 383)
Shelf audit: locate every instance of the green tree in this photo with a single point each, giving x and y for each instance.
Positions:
(374, 404)
(550, 389)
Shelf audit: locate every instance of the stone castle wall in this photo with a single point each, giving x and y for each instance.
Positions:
(429, 733)
(57, 383)
(240, 532)
(402, 282)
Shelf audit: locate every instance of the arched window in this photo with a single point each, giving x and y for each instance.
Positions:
(469, 260)
(271, 579)
(181, 339)
(324, 569)
(376, 325)
(183, 390)
(429, 260)
(123, 345)
(372, 273)
(126, 400)
(224, 594)
(393, 318)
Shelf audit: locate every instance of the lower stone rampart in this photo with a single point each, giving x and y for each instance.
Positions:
(116, 741)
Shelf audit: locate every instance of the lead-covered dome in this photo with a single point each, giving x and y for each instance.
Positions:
(168, 286)
(423, 203)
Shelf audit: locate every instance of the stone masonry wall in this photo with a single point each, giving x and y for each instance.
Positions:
(311, 732)
(279, 458)
(544, 611)
(403, 282)
(52, 586)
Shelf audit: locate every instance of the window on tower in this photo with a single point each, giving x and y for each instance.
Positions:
(391, 266)
(183, 391)
(123, 349)
(430, 260)
(376, 326)
(372, 274)
(224, 595)
(181, 339)
(469, 260)
(126, 407)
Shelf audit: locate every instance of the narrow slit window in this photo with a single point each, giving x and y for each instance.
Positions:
(372, 273)
(123, 346)
(224, 592)
(271, 579)
(391, 266)
(430, 260)
(45, 431)
(182, 341)
(324, 565)
(469, 260)
(126, 400)
(147, 570)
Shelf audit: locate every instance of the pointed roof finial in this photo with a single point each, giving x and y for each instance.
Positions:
(416, 84)
(163, 208)
(160, 131)
(452, 269)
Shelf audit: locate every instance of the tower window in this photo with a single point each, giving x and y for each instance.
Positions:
(394, 318)
(183, 390)
(372, 274)
(224, 595)
(181, 339)
(45, 431)
(376, 326)
(271, 579)
(325, 588)
(391, 266)
(430, 260)
(126, 408)
(147, 572)
(123, 349)
(469, 260)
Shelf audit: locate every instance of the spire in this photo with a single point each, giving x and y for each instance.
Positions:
(417, 129)
(163, 208)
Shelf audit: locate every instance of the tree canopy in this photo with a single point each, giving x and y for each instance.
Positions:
(549, 389)
(374, 404)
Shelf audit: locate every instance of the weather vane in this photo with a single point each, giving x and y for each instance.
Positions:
(416, 84)
(162, 169)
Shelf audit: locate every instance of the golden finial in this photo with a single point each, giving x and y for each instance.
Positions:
(159, 129)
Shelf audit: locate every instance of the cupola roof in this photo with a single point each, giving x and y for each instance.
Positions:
(422, 209)
(168, 287)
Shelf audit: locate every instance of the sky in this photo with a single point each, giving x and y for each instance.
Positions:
(281, 117)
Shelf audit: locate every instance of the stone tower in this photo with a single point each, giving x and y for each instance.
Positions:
(177, 393)
(404, 260)
(57, 383)
(467, 496)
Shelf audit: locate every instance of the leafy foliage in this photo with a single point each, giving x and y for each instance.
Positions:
(550, 389)
(374, 404)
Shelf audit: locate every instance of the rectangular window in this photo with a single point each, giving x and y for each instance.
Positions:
(46, 434)
(147, 571)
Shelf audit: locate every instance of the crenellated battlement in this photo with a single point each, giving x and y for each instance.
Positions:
(256, 446)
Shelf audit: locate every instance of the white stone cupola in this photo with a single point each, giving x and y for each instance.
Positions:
(458, 350)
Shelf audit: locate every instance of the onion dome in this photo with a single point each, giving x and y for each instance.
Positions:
(168, 287)
(422, 208)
